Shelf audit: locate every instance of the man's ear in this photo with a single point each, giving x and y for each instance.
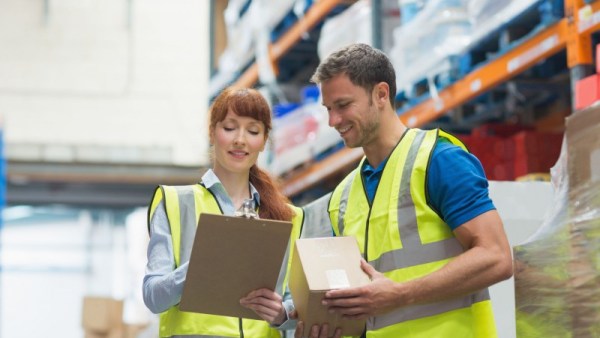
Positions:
(381, 93)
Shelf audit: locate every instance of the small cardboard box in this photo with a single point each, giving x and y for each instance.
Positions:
(583, 145)
(102, 315)
(320, 265)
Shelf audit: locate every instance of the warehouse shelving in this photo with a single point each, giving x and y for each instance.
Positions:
(572, 32)
(313, 16)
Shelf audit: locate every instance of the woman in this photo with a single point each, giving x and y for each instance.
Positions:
(239, 125)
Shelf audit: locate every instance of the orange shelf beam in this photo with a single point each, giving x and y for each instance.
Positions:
(579, 46)
(547, 43)
(321, 170)
(313, 15)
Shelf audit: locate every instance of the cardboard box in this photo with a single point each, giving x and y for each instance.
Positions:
(101, 315)
(134, 330)
(583, 146)
(320, 265)
(116, 333)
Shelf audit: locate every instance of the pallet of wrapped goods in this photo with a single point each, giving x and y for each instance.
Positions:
(557, 270)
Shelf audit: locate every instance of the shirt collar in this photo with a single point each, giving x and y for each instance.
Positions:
(368, 169)
(211, 181)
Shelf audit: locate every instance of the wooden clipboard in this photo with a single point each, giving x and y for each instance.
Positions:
(232, 256)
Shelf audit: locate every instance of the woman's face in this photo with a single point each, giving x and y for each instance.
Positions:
(237, 141)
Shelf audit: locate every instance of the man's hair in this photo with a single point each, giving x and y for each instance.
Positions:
(364, 65)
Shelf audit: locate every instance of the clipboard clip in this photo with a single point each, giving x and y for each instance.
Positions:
(247, 210)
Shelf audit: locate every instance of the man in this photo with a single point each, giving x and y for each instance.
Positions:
(418, 205)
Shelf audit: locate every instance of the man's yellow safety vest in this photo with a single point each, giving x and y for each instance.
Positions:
(401, 236)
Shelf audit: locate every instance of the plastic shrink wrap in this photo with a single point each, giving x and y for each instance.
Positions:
(244, 23)
(300, 132)
(422, 45)
(351, 26)
(355, 25)
(488, 15)
(557, 270)
(434, 31)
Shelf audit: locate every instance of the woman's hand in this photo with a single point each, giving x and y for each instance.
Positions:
(316, 331)
(267, 304)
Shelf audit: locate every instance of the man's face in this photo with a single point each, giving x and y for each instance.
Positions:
(351, 111)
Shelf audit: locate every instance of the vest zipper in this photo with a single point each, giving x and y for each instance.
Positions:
(366, 246)
(367, 236)
(241, 328)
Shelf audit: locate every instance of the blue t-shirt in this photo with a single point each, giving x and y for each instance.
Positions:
(457, 188)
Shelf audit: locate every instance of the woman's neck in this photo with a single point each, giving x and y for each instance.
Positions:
(236, 185)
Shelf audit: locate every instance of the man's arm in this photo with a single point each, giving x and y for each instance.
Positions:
(486, 260)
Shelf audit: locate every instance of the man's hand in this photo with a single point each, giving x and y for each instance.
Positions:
(362, 302)
(267, 304)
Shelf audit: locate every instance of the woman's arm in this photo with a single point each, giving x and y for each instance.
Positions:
(163, 283)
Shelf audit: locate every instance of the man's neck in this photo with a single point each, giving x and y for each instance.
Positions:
(390, 133)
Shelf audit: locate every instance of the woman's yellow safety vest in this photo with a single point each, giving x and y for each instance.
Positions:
(401, 236)
(183, 205)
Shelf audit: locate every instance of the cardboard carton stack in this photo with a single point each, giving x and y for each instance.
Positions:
(508, 152)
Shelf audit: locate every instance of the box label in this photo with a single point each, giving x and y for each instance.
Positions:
(337, 279)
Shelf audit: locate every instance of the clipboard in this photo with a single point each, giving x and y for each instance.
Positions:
(230, 257)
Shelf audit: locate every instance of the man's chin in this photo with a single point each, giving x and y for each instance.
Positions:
(351, 145)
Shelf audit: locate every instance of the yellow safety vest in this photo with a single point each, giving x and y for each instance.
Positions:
(183, 205)
(403, 238)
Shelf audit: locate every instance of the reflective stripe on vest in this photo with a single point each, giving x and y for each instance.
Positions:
(183, 205)
(316, 218)
(344, 201)
(412, 251)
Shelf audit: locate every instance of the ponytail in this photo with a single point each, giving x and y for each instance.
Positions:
(273, 204)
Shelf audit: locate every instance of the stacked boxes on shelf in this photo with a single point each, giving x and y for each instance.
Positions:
(350, 26)
(300, 133)
(587, 90)
(508, 152)
(246, 23)
(423, 44)
(102, 317)
(535, 152)
(2, 175)
(439, 41)
(354, 25)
